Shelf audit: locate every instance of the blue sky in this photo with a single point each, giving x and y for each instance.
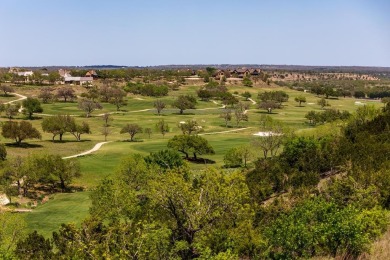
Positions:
(135, 32)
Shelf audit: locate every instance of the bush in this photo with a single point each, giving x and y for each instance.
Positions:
(318, 227)
(151, 90)
(232, 158)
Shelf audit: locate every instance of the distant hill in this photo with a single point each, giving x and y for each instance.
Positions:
(345, 69)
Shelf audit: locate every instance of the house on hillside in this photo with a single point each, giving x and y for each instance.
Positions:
(25, 73)
(64, 73)
(254, 72)
(69, 79)
(219, 74)
(92, 74)
(240, 73)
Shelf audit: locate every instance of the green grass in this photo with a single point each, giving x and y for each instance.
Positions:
(63, 208)
(4, 99)
(73, 207)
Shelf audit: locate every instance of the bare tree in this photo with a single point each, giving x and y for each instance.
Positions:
(159, 105)
(105, 92)
(240, 111)
(107, 118)
(117, 97)
(227, 116)
(148, 131)
(190, 127)
(105, 131)
(89, 106)
(273, 135)
(66, 93)
(46, 94)
(162, 127)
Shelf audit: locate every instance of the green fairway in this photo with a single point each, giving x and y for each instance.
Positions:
(63, 208)
(4, 99)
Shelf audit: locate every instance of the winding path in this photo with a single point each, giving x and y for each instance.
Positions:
(99, 145)
(227, 131)
(21, 97)
(94, 149)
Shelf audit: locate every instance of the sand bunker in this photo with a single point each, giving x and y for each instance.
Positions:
(267, 134)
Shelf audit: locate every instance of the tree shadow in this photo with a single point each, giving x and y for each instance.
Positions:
(184, 114)
(265, 112)
(229, 126)
(23, 145)
(201, 160)
(134, 141)
(69, 141)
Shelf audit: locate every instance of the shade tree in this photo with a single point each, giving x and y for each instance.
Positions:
(132, 130)
(11, 110)
(66, 93)
(190, 144)
(57, 125)
(190, 127)
(78, 129)
(247, 95)
(30, 106)
(184, 102)
(300, 99)
(19, 131)
(6, 89)
(165, 159)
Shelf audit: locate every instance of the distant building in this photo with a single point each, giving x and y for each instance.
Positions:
(92, 74)
(25, 73)
(69, 79)
(77, 80)
(64, 73)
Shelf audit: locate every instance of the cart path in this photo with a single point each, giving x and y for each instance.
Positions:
(99, 145)
(21, 97)
(227, 131)
(94, 149)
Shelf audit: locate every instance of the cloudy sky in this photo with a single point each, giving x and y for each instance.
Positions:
(135, 32)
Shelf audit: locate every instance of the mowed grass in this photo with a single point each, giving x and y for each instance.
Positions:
(140, 110)
(4, 99)
(63, 208)
(104, 163)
